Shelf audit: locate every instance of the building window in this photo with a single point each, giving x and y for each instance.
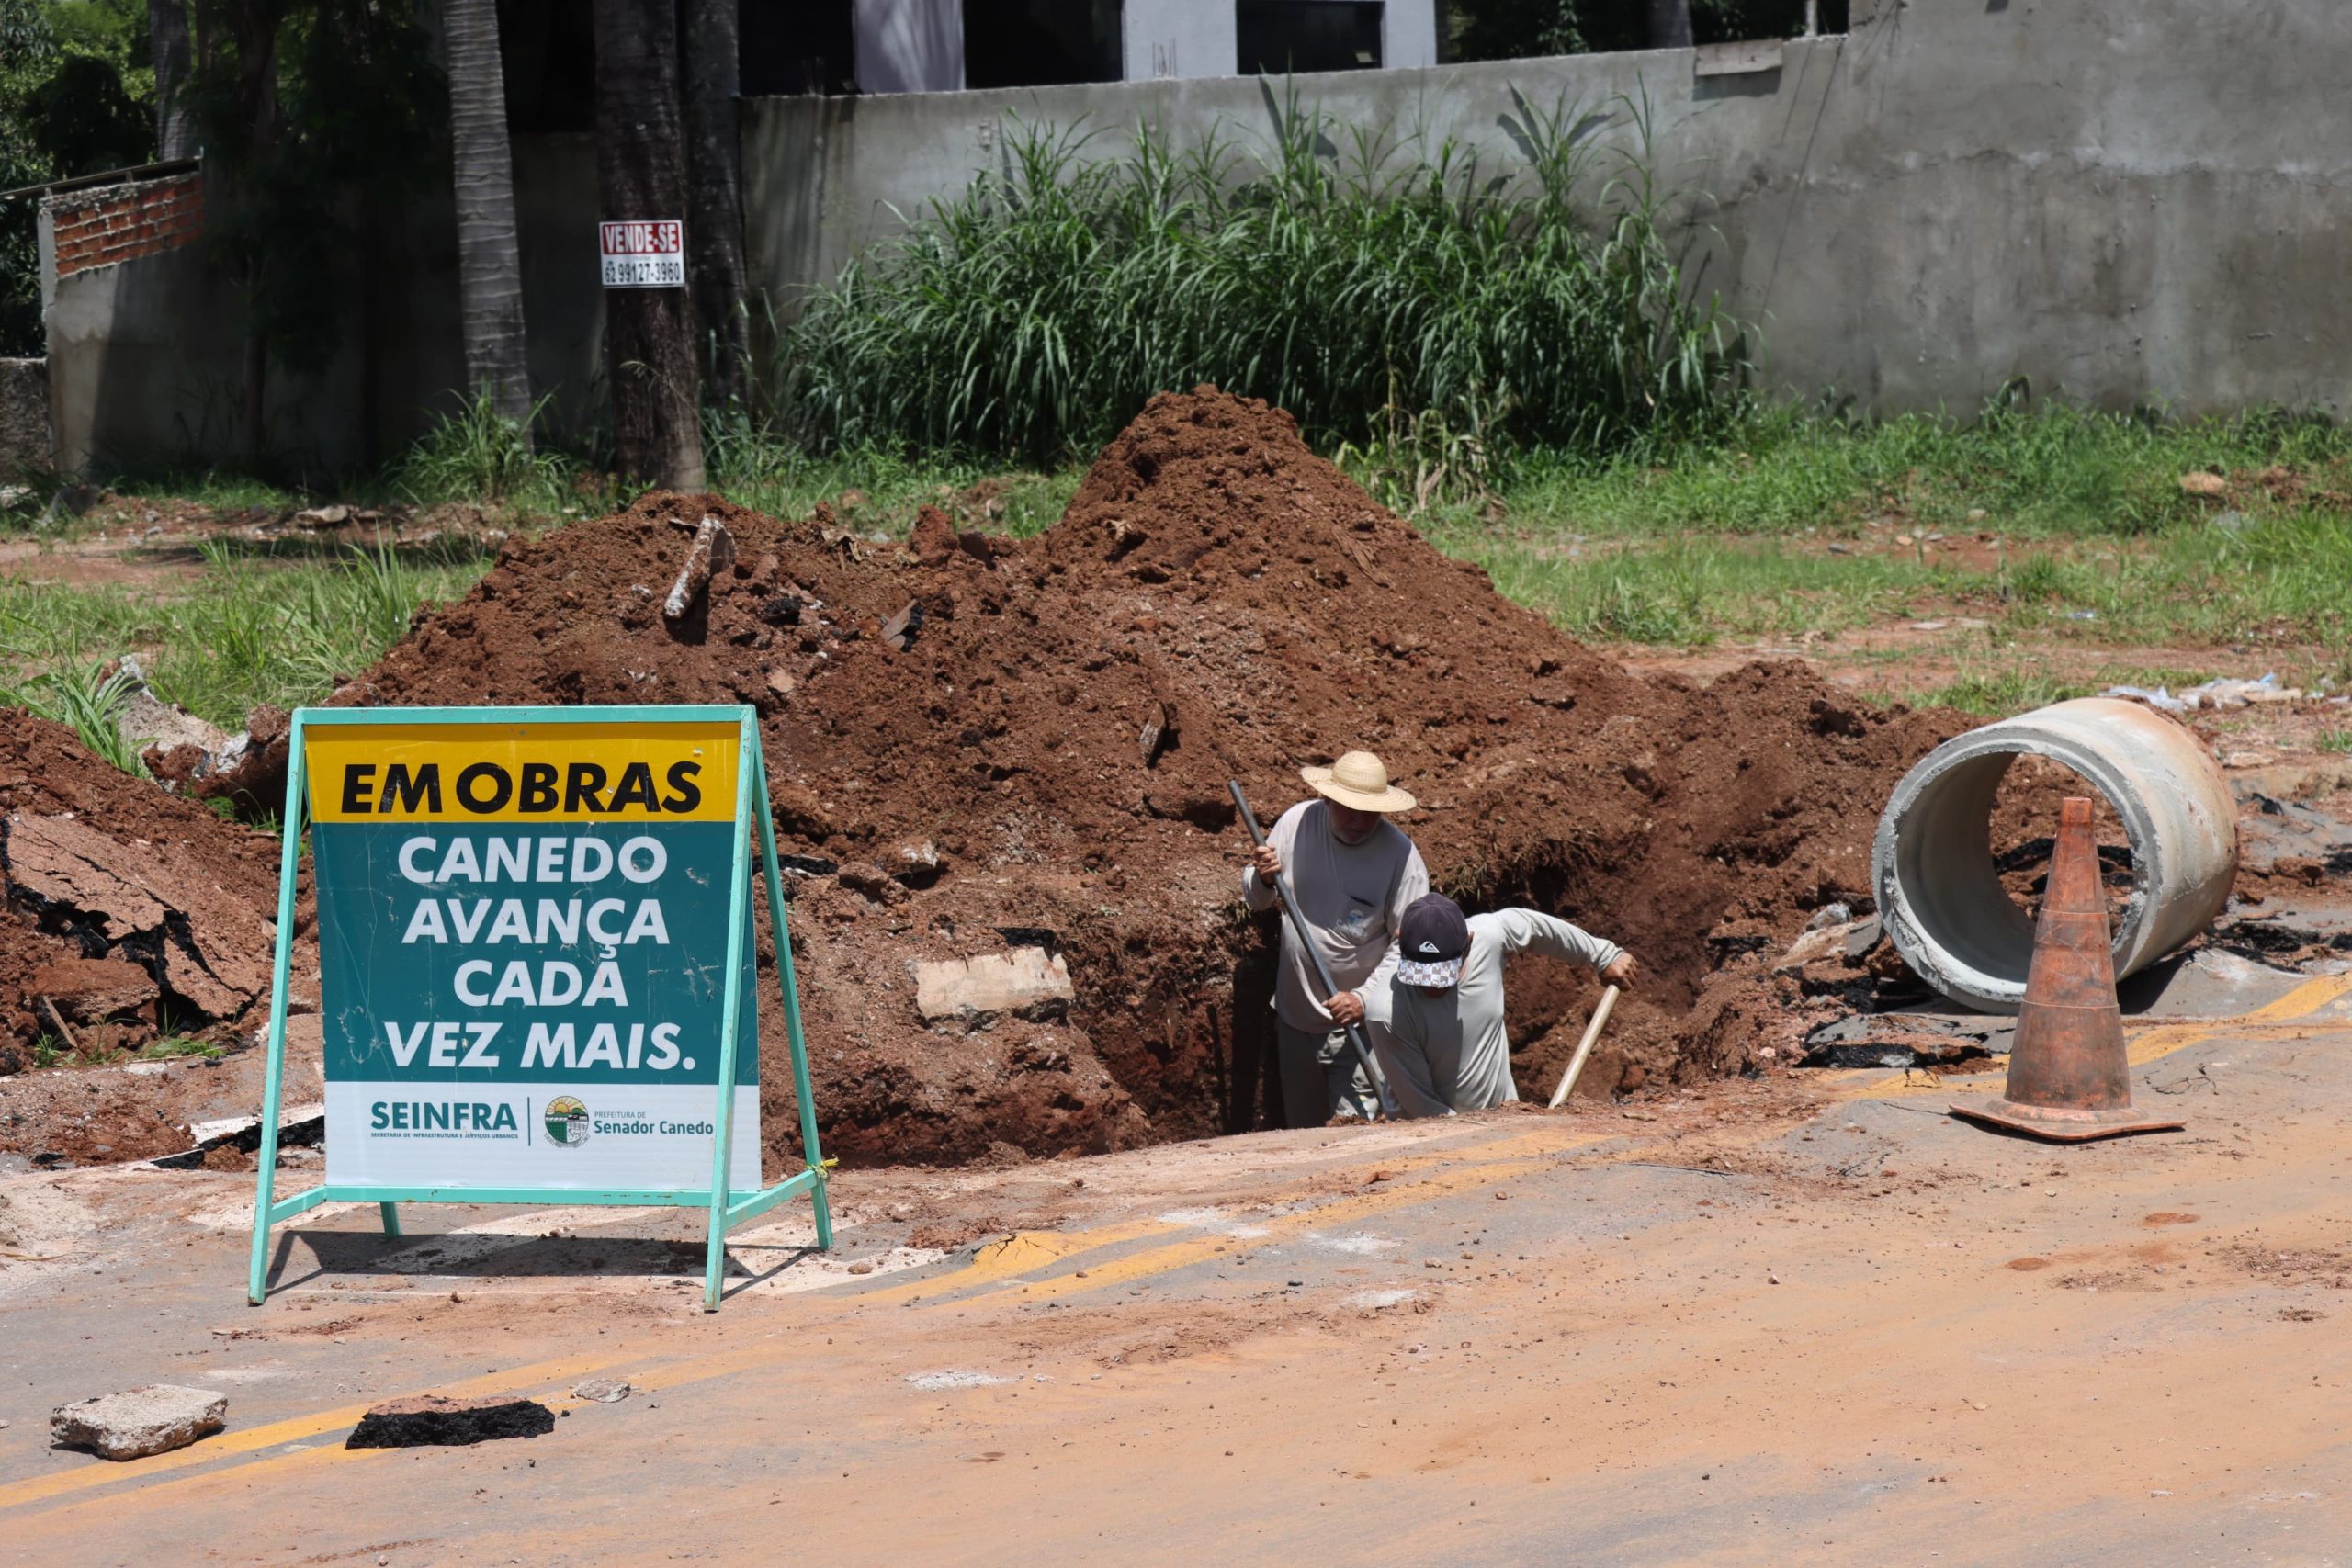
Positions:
(1040, 43)
(1277, 37)
(802, 48)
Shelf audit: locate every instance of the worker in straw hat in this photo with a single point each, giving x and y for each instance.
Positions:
(1352, 872)
(1444, 1049)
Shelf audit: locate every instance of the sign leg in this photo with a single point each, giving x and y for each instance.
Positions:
(274, 1074)
(820, 1199)
(730, 1024)
(391, 1218)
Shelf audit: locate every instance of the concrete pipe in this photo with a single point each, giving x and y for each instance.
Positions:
(1942, 898)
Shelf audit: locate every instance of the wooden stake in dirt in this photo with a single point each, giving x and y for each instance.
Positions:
(713, 551)
(1584, 1047)
(65, 1034)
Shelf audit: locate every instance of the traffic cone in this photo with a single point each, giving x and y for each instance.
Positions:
(2070, 1079)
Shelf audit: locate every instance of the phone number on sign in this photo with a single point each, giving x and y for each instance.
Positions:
(645, 272)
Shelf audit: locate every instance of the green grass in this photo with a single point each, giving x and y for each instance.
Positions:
(1998, 682)
(872, 489)
(176, 1047)
(213, 488)
(1678, 590)
(51, 1052)
(2336, 740)
(1783, 528)
(260, 625)
(2055, 471)
(1790, 527)
(87, 699)
(479, 455)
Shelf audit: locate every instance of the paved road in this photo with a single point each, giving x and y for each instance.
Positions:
(1740, 1331)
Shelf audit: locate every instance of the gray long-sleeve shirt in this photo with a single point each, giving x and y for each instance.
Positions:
(1449, 1050)
(1353, 899)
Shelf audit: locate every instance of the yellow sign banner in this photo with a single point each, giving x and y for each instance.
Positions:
(548, 772)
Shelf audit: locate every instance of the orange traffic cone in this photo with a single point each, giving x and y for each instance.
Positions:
(2070, 1079)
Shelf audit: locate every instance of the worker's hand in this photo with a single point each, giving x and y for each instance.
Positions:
(1267, 862)
(1622, 972)
(1347, 1008)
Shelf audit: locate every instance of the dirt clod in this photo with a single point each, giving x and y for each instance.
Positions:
(431, 1421)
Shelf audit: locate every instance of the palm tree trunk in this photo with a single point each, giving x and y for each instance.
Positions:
(167, 42)
(715, 194)
(489, 265)
(1669, 24)
(641, 174)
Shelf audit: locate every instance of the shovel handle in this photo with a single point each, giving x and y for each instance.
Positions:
(1584, 1047)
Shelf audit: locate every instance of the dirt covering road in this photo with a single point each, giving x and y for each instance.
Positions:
(1730, 1328)
(1720, 1309)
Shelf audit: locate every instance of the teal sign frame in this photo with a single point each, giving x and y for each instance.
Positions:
(725, 1207)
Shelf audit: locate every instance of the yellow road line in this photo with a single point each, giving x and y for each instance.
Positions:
(2295, 1007)
(1351, 1210)
(41, 1488)
(992, 1265)
(1026, 1251)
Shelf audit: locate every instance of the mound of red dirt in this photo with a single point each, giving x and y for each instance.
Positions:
(129, 912)
(977, 743)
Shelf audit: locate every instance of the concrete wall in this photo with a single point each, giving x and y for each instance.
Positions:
(2124, 202)
(2120, 203)
(148, 348)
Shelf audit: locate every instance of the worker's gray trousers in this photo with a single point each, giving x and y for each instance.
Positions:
(1321, 1075)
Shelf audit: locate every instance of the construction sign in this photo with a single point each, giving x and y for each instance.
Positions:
(520, 955)
(537, 979)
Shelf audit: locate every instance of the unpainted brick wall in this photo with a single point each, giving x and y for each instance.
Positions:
(118, 224)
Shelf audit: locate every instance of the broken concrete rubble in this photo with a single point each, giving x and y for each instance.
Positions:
(144, 720)
(139, 1422)
(1846, 942)
(299, 1126)
(1024, 982)
(248, 771)
(203, 947)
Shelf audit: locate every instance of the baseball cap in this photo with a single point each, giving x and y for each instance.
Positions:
(1433, 943)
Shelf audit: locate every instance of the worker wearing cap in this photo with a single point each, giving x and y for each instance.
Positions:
(1352, 872)
(1444, 1049)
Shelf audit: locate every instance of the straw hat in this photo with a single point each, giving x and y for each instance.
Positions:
(1358, 779)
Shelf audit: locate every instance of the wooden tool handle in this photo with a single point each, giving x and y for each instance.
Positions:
(1584, 1047)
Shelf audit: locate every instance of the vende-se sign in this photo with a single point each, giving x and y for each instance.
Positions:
(644, 252)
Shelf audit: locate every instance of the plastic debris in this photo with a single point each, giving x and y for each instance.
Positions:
(2214, 695)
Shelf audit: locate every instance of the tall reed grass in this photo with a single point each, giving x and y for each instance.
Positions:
(1339, 272)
